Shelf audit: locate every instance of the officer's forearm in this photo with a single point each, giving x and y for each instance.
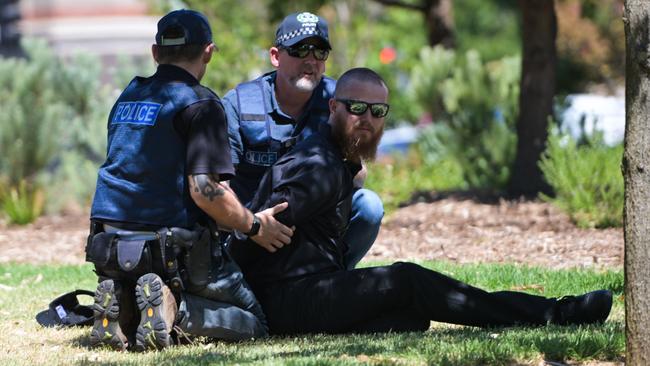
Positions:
(219, 202)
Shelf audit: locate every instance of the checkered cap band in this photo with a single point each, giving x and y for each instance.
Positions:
(311, 31)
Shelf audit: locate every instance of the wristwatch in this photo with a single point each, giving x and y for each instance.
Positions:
(255, 228)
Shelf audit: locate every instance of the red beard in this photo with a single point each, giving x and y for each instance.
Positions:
(351, 146)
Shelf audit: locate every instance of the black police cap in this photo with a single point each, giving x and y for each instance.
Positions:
(299, 26)
(193, 26)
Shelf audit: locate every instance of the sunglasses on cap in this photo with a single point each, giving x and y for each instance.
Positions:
(303, 50)
(358, 107)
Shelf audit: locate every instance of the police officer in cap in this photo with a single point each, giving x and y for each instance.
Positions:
(160, 188)
(268, 115)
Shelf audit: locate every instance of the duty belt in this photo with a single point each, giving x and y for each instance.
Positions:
(171, 241)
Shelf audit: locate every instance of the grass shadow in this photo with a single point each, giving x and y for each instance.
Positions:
(440, 346)
(83, 341)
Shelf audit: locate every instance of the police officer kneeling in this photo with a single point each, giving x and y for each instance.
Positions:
(158, 197)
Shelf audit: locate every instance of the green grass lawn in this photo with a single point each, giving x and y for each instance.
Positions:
(27, 289)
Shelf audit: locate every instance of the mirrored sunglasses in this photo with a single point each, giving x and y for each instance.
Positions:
(358, 107)
(303, 50)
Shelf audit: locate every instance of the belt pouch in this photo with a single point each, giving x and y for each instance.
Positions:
(98, 248)
(129, 253)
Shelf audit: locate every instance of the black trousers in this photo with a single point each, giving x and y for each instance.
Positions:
(399, 297)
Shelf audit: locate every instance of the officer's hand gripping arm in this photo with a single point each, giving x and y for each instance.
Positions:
(219, 201)
(273, 234)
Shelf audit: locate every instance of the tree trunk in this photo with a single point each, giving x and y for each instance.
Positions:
(539, 29)
(636, 171)
(439, 20)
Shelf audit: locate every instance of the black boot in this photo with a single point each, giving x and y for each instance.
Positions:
(592, 307)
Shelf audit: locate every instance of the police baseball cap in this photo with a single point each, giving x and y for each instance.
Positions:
(183, 27)
(298, 26)
(65, 310)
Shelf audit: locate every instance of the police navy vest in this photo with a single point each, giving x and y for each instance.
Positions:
(143, 179)
(264, 140)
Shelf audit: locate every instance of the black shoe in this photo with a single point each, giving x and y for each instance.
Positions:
(157, 313)
(106, 310)
(592, 307)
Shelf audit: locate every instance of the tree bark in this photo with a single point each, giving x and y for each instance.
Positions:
(636, 172)
(537, 88)
(439, 19)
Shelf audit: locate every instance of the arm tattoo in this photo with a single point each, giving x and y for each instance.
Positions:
(208, 185)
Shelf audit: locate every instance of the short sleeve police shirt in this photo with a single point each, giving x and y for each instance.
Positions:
(203, 125)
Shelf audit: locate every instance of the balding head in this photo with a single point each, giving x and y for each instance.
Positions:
(356, 75)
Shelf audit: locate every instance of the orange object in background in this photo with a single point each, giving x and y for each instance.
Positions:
(387, 55)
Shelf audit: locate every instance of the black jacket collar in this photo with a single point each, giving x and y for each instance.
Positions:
(173, 72)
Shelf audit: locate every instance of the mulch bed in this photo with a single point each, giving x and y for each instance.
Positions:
(457, 229)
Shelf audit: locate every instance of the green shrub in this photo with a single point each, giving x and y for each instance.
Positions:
(395, 181)
(71, 182)
(479, 24)
(586, 178)
(52, 129)
(32, 111)
(22, 204)
(30, 130)
(474, 107)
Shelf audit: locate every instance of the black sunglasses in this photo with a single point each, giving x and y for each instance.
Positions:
(358, 107)
(303, 50)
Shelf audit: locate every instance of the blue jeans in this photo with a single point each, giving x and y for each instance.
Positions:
(365, 219)
(217, 319)
(225, 308)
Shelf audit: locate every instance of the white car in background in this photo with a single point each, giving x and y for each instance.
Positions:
(397, 140)
(600, 113)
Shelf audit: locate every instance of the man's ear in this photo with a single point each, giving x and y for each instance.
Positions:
(274, 56)
(332, 105)
(207, 53)
(154, 52)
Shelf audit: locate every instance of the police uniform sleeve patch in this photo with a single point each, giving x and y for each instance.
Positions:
(141, 113)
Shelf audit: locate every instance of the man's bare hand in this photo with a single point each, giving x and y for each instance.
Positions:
(273, 235)
(360, 178)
